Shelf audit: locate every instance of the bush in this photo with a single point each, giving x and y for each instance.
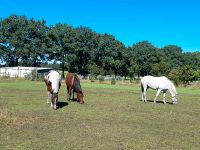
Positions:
(113, 81)
(101, 79)
(34, 74)
(5, 76)
(174, 76)
(92, 78)
(27, 76)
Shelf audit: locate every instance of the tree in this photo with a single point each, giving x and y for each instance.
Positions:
(192, 59)
(146, 55)
(160, 69)
(35, 43)
(13, 32)
(23, 41)
(174, 75)
(173, 55)
(108, 54)
(62, 45)
(187, 74)
(129, 63)
(86, 42)
(197, 75)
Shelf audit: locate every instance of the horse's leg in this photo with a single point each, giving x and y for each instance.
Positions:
(68, 91)
(51, 100)
(54, 104)
(145, 94)
(142, 96)
(142, 89)
(73, 94)
(158, 92)
(49, 97)
(164, 93)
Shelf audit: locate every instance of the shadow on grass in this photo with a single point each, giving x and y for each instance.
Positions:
(61, 104)
(160, 102)
(73, 99)
(152, 101)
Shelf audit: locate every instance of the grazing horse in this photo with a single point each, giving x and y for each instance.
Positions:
(73, 83)
(159, 84)
(53, 83)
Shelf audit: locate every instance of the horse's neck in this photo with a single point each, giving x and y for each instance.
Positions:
(172, 90)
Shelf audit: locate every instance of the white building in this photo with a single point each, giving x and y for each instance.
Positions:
(21, 71)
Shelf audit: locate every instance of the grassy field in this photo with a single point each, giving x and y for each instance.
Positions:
(112, 118)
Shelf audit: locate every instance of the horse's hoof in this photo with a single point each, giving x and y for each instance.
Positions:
(82, 102)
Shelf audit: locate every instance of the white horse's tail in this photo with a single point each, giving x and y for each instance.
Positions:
(142, 88)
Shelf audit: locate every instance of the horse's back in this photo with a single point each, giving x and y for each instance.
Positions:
(73, 81)
(69, 79)
(55, 80)
(156, 82)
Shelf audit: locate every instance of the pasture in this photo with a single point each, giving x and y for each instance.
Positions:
(112, 118)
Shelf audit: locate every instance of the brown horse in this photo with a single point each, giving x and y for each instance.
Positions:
(73, 83)
(53, 83)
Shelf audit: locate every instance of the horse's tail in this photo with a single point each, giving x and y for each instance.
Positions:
(142, 88)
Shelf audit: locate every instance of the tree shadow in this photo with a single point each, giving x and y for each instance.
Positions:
(62, 104)
(160, 102)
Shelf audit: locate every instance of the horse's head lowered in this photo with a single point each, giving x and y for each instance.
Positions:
(80, 97)
(174, 99)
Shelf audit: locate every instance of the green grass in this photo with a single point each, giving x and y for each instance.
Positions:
(113, 117)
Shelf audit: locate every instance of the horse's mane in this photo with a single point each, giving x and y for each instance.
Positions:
(172, 86)
(76, 77)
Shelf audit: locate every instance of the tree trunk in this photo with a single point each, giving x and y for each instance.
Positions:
(63, 67)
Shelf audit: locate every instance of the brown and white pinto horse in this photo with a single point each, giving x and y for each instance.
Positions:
(53, 83)
(73, 83)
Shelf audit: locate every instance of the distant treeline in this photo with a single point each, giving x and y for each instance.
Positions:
(27, 42)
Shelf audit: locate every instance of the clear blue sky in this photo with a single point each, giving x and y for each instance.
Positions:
(161, 22)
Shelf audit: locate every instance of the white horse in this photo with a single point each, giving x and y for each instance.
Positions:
(159, 84)
(53, 83)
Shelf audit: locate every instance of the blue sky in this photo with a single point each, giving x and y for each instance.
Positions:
(161, 22)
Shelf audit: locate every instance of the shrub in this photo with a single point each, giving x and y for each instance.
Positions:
(113, 81)
(92, 78)
(27, 76)
(101, 79)
(5, 76)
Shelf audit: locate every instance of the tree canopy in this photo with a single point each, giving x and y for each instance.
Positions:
(28, 42)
